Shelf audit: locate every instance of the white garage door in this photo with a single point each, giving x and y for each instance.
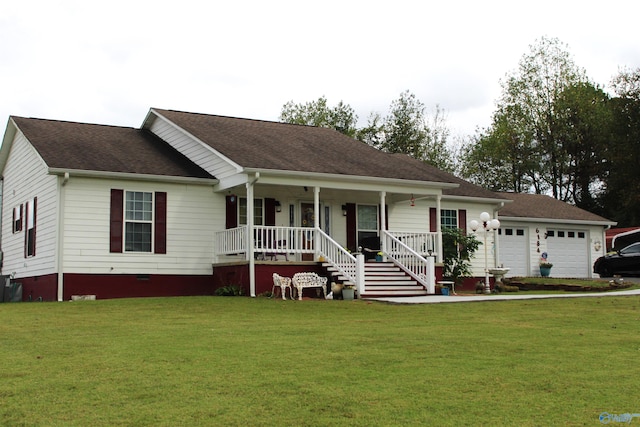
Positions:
(568, 252)
(514, 244)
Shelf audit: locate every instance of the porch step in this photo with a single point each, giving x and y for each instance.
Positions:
(383, 279)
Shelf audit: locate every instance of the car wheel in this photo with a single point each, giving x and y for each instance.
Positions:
(605, 271)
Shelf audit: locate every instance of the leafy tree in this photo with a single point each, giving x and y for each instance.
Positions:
(342, 117)
(548, 132)
(407, 129)
(621, 198)
(585, 116)
(457, 249)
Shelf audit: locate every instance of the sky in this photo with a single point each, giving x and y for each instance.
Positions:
(109, 62)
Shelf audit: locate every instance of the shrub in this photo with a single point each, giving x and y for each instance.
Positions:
(229, 291)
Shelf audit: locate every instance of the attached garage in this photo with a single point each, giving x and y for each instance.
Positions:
(568, 251)
(534, 223)
(514, 249)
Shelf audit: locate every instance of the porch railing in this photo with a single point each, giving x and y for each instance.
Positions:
(413, 263)
(230, 241)
(422, 243)
(342, 260)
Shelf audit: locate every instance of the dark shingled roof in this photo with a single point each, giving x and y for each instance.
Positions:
(81, 146)
(282, 146)
(527, 205)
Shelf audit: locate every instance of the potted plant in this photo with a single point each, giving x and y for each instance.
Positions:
(545, 265)
(348, 292)
(545, 269)
(379, 256)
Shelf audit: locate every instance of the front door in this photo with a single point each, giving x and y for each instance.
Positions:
(307, 219)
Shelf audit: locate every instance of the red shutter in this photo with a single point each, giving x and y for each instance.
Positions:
(462, 220)
(232, 212)
(352, 238)
(116, 221)
(433, 218)
(32, 236)
(26, 229)
(270, 212)
(160, 223)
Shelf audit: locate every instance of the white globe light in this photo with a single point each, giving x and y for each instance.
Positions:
(484, 217)
(474, 225)
(495, 224)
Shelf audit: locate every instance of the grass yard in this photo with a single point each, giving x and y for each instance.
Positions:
(239, 361)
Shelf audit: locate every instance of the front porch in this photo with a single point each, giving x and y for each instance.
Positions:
(251, 257)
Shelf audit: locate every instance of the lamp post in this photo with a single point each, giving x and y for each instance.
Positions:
(488, 225)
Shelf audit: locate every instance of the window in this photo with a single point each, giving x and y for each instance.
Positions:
(560, 233)
(448, 218)
(571, 234)
(17, 218)
(258, 211)
(138, 222)
(581, 235)
(367, 224)
(519, 232)
(30, 235)
(508, 231)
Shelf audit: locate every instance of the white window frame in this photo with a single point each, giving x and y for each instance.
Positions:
(130, 246)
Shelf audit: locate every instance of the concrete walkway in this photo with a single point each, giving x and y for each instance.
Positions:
(522, 295)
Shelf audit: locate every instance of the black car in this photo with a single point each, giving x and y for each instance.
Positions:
(624, 261)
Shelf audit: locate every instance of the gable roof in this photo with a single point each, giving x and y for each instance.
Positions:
(257, 144)
(543, 207)
(91, 147)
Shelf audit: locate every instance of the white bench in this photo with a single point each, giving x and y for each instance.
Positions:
(301, 281)
(283, 283)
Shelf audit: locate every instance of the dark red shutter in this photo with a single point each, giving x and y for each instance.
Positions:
(352, 238)
(232, 212)
(32, 236)
(462, 220)
(270, 212)
(26, 229)
(160, 226)
(116, 221)
(433, 218)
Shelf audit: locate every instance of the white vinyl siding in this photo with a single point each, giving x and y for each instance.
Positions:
(196, 151)
(193, 214)
(25, 177)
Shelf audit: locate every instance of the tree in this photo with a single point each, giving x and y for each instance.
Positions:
(457, 250)
(548, 131)
(621, 198)
(317, 113)
(585, 117)
(407, 129)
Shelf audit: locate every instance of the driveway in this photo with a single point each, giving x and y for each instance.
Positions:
(432, 299)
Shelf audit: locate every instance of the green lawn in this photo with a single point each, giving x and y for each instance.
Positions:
(205, 361)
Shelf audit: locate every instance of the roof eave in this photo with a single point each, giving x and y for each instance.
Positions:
(352, 178)
(132, 176)
(557, 220)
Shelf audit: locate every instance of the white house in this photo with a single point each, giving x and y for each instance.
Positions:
(190, 202)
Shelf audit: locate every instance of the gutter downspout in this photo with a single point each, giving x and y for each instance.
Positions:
(60, 235)
(250, 243)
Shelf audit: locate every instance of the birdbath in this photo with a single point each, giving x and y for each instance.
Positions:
(498, 273)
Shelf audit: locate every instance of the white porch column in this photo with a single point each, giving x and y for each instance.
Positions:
(431, 275)
(360, 273)
(250, 236)
(316, 221)
(439, 228)
(383, 220)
